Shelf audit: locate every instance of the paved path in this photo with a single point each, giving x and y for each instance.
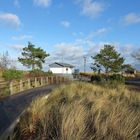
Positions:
(11, 107)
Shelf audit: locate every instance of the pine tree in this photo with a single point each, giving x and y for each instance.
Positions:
(108, 59)
(33, 57)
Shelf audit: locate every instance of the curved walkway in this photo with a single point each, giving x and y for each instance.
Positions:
(11, 107)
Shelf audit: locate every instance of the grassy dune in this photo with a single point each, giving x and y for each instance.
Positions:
(82, 111)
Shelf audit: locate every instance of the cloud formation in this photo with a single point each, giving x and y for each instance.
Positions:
(98, 32)
(91, 8)
(42, 3)
(65, 23)
(66, 52)
(21, 37)
(10, 19)
(74, 52)
(131, 18)
(17, 46)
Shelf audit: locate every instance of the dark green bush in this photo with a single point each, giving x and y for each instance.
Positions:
(108, 79)
(11, 74)
(117, 77)
(96, 78)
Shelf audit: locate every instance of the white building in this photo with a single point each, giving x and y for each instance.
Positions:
(61, 68)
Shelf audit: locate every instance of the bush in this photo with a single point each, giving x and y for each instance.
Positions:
(38, 73)
(11, 74)
(96, 78)
(117, 77)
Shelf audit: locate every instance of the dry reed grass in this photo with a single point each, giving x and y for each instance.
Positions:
(82, 111)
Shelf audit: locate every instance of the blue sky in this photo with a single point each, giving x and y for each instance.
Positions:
(70, 29)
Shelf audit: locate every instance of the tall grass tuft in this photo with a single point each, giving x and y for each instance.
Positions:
(82, 111)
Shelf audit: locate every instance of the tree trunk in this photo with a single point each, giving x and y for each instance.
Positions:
(106, 70)
(99, 71)
(33, 66)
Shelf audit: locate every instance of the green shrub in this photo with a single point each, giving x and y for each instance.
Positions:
(96, 78)
(11, 74)
(117, 77)
(38, 73)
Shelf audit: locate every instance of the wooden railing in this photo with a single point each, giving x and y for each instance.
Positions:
(4, 88)
(16, 86)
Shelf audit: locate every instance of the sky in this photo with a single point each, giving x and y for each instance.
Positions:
(70, 29)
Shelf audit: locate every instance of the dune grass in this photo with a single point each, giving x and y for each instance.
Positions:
(82, 111)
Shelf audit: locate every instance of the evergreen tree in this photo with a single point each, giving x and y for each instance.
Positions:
(33, 57)
(108, 59)
(4, 60)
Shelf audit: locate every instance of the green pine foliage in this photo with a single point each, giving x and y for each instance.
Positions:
(33, 57)
(109, 59)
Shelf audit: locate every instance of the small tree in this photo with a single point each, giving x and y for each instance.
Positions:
(33, 57)
(109, 59)
(4, 60)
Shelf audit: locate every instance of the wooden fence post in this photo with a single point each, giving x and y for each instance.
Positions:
(29, 83)
(53, 80)
(56, 80)
(21, 85)
(50, 80)
(11, 87)
(63, 79)
(35, 82)
(41, 81)
(46, 80)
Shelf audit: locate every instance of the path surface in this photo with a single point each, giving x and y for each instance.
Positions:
(12, 107)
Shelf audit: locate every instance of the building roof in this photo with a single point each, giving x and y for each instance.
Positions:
(58, 65)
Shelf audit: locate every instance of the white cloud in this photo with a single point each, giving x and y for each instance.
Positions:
(98, 32)
(65, 23)
(91, 8)
(74, 52)
(9, 19)
(102, 31)
(128, 49)
(131, 18)
(67, 52)
(21, 37)
(17, 46)
(43, 3)
(77, 34)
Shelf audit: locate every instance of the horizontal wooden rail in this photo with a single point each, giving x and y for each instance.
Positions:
(16, 86)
